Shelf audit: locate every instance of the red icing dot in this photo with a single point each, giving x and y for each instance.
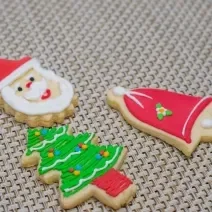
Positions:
(71, 170)
(101, 152)
(51, 150)
(41, 138)
(80, 145)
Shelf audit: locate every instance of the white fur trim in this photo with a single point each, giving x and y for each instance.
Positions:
(119, 91)
(206, 123)
(33, 63)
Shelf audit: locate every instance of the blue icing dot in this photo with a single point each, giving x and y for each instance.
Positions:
(44, 131)
(98, 156)
(78, 167)
(57, 152)
(77, 149)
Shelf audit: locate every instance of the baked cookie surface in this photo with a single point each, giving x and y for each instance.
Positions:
(33, 95)
(180, 120)
(82, 168)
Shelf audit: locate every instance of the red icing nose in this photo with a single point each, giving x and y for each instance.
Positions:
(28, 84)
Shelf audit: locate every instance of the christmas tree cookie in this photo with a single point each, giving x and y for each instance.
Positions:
(82, 168)
(34, 95)
(180, 120)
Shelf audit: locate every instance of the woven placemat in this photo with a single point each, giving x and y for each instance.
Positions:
(97, 45)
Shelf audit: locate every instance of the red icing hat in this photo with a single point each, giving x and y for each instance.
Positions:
(13, 69)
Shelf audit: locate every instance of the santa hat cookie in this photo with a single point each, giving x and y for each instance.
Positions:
(34, 95)
(180, 120)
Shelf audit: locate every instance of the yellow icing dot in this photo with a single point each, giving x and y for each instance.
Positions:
(106, 154)
(76, 172)
(84, 146)
(161, 110)
(37, 133)
(50, 154)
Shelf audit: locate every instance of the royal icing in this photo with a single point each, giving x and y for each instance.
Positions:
(179, 111)
(112, 182)
(55, 105)
(34, 93)
(16, 67)
(206, 123)
(37, 90)
(60, 131)
(162, 112)
(75, 157)
(119, 91)
(193, 111)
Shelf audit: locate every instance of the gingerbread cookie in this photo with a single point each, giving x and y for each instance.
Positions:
(180, 120)
(82, 168)
(34, 95)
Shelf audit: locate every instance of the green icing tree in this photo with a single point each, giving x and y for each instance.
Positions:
(76, 157)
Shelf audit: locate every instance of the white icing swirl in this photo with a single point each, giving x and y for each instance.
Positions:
(94, 172)
(48, 142)
(68, 156)
(60, 160)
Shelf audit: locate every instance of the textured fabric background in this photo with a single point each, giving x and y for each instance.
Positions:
(97, 45)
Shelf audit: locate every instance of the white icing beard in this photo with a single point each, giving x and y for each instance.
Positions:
(37, 89)
(47, 106)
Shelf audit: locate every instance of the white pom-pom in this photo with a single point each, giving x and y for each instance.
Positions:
(119, 91)
(207, 123)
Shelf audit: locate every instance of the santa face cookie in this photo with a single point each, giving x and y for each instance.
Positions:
(180, 120)
(34, 95)
(82, 168)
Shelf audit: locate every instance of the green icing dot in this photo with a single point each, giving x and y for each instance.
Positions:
(168, 112)
(158, 105)
(160, 116)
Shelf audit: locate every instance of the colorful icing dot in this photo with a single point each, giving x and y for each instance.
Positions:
(76, 172)
(71, 170)
(44, 131)
(37, 133)
(77, 149)
(98, 157)
(80, 145)
(57, 152)
(51, 150)
(84, 146)
(101, 152)
(50, 154)
(78, 167)
(106, 154)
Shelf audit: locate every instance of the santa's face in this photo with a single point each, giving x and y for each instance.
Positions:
(38, 92)
(35, 87)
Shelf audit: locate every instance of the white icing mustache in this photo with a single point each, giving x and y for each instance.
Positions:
(37, 89)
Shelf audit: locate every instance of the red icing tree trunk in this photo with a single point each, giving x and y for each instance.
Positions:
(112, 182)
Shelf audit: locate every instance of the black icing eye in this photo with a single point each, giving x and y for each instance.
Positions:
(32, 79)
(20, 88)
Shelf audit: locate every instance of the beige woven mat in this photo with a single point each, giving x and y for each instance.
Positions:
(97, 45)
